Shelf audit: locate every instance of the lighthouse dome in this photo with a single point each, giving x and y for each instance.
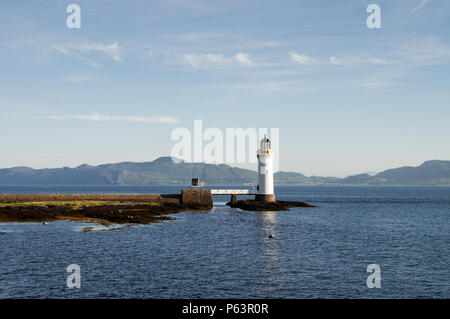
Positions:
(265, 143)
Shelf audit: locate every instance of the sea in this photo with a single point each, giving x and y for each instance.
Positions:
(321, 252)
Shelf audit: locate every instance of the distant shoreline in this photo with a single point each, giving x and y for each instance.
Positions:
(163, 171)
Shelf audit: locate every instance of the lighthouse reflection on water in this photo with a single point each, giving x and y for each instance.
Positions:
(270, 265)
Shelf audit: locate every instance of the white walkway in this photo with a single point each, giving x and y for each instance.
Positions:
(234, 192)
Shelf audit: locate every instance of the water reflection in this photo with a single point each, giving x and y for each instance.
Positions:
(269, 258)
(267, 223)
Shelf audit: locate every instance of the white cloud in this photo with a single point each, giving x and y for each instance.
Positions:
(109, 118)
(112, 50)
(196, 60)
(301, 58)
(243, 58)
(357, 60)
(422, 4)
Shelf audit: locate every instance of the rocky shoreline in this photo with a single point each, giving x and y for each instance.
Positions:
(108, 213)
(101, 208)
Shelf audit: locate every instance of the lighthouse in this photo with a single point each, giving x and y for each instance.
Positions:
(265, 172)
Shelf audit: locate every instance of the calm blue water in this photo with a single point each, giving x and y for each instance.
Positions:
(226, 253)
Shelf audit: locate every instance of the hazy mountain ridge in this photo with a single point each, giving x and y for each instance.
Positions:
(163, 171)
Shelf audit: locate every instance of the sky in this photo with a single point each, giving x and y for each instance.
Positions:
(346, 99)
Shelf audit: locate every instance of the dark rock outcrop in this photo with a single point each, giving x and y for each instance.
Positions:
(278, 205)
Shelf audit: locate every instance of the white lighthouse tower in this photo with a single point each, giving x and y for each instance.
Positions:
(265, 172)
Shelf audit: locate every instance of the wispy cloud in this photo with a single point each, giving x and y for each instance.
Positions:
(423, 52)
(197, 60)
(112, 50)
(357, 60)
(301, 58)
(414, 52)
(422, 4)
(109, 118)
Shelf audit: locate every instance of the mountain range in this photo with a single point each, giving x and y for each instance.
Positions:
(163, 171)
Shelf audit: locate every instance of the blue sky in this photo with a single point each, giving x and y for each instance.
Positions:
(347, 99)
